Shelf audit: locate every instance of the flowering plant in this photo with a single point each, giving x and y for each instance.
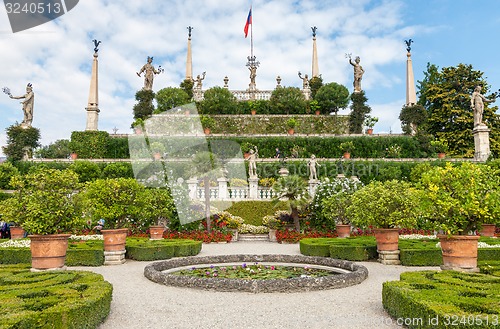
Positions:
(271, 221)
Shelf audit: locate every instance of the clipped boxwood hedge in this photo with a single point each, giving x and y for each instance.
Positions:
(352, 248)
(143, 249)
(55, 299)
(252, 212)
(444, 299)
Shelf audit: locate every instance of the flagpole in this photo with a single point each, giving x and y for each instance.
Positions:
(251, 31)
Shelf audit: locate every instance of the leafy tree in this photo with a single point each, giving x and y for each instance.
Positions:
(7, 171)
(412, 117)
(44, 202)
(293, 189)
(144, 107)
(170, 97)
(359, 111)
(87, 171)
(288, 100)
(445, 94)
(60, 149)
(187, 86)
(118, 170)
(21, 142)
(314, 84)
(331, 97)
(218, 100)
(204, 165)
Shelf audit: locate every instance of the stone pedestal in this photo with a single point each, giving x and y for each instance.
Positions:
(389, 257)
(192, 187)
(223, 190)
(481, 143)
(114, 257)
(253, 183)
(313, 184)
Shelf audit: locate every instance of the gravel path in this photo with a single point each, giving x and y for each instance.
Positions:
(140, 303)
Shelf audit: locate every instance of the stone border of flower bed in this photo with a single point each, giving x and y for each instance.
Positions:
(57, 299)
(443, 299)
(357, 275)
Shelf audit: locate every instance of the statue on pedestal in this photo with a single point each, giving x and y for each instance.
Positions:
(150, 71)
(252, 166)
(305, 81)
(477, 104)
(313, 175)
(199, 80)
(28, 103)
(358, 73)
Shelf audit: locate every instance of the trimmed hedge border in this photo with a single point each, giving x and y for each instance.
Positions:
(143, 249)
(54, 299)
(357, 274)
(443, 299)
(91, 253)
(414, 252)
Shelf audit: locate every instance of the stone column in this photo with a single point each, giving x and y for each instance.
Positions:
(315, 66)
(193, 188)
(223, 190)
(253, 183)
(411, 95)
(481, 143)
(93, 103)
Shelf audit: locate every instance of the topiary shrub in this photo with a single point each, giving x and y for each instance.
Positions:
(143, 249)
(89, 144)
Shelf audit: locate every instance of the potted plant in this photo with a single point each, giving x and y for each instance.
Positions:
(233, 224)
(207, 123)
(315, 107)
(138, 126)
(291, 124)
(120, 202)
(386, 207)
(334, 209)
(246, 147)
(273, 223)
(440, 146)
(158, 149)
(370, 123)
(253, 107)
(347, 148)
(458, 200)
(44, 203)
(157, 211)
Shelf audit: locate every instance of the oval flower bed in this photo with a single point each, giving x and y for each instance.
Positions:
(346, 273)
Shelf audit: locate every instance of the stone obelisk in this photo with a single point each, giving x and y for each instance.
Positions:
(189, 60)
(315, 66)
(411, 95)
(93, 103)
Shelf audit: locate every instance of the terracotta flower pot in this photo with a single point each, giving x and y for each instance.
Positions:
(347, 155)
(387, 239)
(487, 230)
(459, 252)
(73, 156)
(253, 112)
(157, 155)
(156, 232)
(48, 251)
(114, 240)
(441, 155)
(291, 131)
(207, 131)
(317, 112)
(16, 232)
(369, 131)
(343, 231)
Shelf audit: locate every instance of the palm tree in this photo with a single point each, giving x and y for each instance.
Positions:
(204, 165)
(293, 191)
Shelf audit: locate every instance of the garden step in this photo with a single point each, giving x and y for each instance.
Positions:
(253, 237)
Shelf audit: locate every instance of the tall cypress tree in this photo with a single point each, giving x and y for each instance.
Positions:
(359, 111)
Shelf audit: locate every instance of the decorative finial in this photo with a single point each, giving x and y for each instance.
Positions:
(96, 45)
(408, 44)
(314, 28)
(190, 29)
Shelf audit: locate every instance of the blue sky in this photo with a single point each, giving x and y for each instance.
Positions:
(56, 57)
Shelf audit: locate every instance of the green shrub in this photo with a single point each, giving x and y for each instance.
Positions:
(252, 212)
(118, 170)
(325, 247)
(89, 144)
(87, 171)
(64, 299)
(7, 171)
(143, 249)
(353, 253)
(436, 299)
